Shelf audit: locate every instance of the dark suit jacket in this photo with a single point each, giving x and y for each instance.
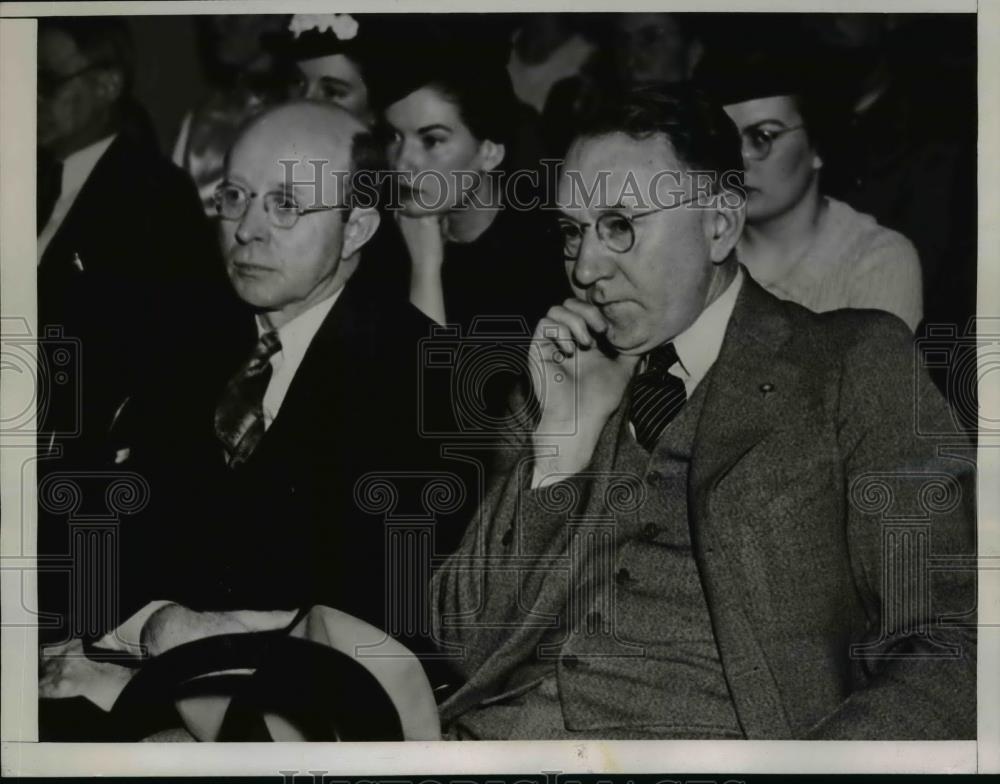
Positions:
(299, 524)
(152, 283)
(148, 254)
(811, 494)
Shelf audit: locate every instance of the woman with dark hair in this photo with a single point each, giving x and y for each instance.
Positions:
(327, 56)
(477, 246)
(798, 243)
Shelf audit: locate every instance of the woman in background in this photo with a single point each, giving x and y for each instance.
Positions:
(476, 246)
(476, 253)
(798, 243)
(327, 57)
(244, 78)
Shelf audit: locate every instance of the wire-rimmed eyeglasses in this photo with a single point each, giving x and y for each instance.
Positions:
(757, 141)
(49, 84)
(233, 201)
(614, 229)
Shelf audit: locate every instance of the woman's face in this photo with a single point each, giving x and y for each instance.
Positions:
(779, 181)
(335, 79)
(440, 159)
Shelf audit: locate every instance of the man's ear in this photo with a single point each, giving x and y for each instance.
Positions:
(491, 155)
(724, 225)
(360, 228)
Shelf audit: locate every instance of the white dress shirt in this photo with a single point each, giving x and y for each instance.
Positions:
(295, 337)
(698, 346)
(76, 169)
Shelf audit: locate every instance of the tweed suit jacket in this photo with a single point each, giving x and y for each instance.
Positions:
(814, 502)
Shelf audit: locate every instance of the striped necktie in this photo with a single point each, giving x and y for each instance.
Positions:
(239, 417)
(656, 397)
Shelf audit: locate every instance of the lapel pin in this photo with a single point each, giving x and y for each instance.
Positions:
(78, 262)
(766, 388)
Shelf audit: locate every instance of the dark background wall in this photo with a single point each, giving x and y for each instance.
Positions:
(168, 79)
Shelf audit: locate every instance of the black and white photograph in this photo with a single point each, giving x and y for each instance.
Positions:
(412, 375)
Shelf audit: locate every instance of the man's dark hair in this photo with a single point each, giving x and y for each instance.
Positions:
(699, 132)
(103, 40)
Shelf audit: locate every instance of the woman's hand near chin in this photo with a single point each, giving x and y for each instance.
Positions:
(424, 240)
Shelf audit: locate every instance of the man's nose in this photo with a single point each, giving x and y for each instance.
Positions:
(594, 263)
(254, 224)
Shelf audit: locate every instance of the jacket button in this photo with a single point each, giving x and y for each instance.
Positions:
(623, 576)
(570, 661)
(650, 530)
(508, 537)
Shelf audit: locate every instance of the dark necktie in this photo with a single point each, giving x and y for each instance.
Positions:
(239, 417)
(657, 397)
(48, 188)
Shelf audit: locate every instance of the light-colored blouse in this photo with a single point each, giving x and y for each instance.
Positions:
(853, 262)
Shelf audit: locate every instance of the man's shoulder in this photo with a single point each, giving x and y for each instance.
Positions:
(385, 317)
(808, 339)
(136, 167)
(844, 326)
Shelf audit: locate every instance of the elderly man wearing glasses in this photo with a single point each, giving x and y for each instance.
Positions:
(798, 243)
(701, 536)
(260, 456)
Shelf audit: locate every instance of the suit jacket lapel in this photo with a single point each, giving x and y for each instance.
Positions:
(96, 194)
(751, 390)
(750, 385)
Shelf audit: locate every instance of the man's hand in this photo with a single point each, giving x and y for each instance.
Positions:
(67, 672)
(578, 384)
(175, 625)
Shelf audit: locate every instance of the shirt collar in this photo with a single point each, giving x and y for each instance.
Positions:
(698, 346)
(298, 333)
(78, 166)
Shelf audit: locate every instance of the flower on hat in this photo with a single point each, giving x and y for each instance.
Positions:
(344, 26)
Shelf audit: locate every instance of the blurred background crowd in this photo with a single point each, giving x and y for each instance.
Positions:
(859, 135)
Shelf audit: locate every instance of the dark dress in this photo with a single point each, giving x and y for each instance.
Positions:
(496, 289)
(513, 270)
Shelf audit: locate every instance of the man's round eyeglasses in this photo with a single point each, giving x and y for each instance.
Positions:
(50, 84)
(232, 203)
(614, 229)
(757, 142)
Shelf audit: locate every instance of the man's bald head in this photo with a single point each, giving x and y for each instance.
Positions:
(305, 131)
(290, 233)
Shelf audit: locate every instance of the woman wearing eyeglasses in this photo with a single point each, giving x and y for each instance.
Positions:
(798, 243)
